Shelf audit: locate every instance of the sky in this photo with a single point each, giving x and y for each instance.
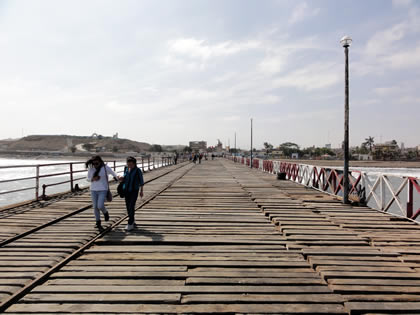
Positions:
(170, 72)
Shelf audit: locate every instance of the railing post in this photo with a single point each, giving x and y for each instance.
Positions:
(382, 192)
(115, 166)
(37, 183)
(154, 166)
(142, 163)
(410, 200)
(148, 163)
(71, 177)
(44, 195)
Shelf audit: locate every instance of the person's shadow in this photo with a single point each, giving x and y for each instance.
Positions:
(120, 235)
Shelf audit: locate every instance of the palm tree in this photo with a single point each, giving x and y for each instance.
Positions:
(268, 147)
(369, 142)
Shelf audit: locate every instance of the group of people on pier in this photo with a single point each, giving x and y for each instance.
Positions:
(197, 157)
(131, 186)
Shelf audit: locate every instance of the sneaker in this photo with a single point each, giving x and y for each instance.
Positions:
(106, 216)
(135, 225)
(129, 227)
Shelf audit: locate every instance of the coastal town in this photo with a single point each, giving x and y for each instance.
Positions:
(49, 145)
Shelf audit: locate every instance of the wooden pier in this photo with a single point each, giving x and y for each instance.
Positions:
(216, 237)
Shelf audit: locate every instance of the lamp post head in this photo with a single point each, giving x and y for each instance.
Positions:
(346, 41)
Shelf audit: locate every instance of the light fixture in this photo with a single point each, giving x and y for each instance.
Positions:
(346, 41)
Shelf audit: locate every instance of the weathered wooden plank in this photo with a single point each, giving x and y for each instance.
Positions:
(117, 265)
(360, 307)
(346, 289)
(262, 298)
(98, 297)
(181, 289)
(253, 281)
(272, 308)
(116, 282)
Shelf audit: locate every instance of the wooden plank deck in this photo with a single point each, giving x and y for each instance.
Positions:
(370, 258)
(25, 259)
(227, 239)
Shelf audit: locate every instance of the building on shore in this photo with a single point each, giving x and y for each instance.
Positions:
(277, 154)
(386, 151)
(362, 157)
(198, 146)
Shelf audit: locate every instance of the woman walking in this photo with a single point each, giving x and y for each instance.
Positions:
(98, 173)
(133, 187)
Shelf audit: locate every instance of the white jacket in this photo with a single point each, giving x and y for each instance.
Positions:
(102, 183)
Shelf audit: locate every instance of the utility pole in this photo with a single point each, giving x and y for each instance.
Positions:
(251, 143)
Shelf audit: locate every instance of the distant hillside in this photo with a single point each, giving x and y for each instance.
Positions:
(65, 143)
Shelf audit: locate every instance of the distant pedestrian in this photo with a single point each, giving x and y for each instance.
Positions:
(176, 157)
(195, 158)
(133, 187)
(98, 173)
(212, 156)
(200, 157)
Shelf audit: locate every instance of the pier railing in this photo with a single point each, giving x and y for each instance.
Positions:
(71, 173)
(398, 195)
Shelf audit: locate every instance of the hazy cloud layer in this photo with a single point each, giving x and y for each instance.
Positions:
(173, 71)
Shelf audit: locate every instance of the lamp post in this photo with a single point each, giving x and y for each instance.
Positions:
(346, 42)
(251, 142)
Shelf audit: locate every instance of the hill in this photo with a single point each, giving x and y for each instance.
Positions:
(65, 143)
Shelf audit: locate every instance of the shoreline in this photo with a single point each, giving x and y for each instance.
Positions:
(78, 156)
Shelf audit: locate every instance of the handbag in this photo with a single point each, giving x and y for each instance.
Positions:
(121, 188)
(108, 193)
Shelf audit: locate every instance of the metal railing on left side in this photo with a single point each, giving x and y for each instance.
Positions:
(67, 173)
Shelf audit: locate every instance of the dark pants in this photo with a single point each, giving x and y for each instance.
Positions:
(130, 203)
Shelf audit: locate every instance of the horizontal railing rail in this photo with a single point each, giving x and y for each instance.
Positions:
(398, 195)
(70, 172)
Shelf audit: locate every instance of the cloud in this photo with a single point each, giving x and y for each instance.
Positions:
(231, 118)
(119, 108)
(301, 12)
(175, 62)
(404, 59)
(311, 77)
(383, 41)
(394, 48)
(386, 91)
(401, 3)
(201, 49)
(272, 64)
